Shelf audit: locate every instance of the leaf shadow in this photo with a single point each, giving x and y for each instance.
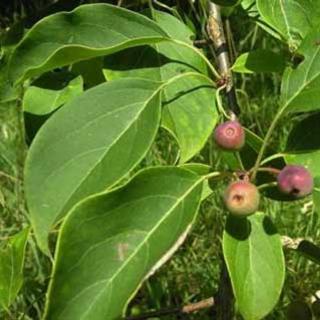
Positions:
(238, 228)
(185, 92)
(268, 226)
(145, 57)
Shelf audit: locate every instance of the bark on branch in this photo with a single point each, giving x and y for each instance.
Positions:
(216, 33)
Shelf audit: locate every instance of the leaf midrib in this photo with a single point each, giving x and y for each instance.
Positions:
(129, 258)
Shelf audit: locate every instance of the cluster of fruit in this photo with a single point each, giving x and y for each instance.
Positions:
(242, 197)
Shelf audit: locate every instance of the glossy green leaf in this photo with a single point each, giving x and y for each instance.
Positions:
(259, 61)
(11, 267)
(293, 19)
(40, 100)
(88, 31)
(250, 6)
(9, 38)
(87, 146)
(202, 170)
(253, 252)
(190, 113)
(303, 148)
(189, 104)
(301, 86)
(111, 242)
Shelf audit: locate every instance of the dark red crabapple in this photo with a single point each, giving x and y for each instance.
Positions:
(230, 135)
(242, 198)
(295, 180)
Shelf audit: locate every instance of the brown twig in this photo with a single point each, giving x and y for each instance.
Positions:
(216, 33)
(202, 43)
(189, 308)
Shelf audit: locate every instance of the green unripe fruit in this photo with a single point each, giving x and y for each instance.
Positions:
(242, 198)
(299, 310)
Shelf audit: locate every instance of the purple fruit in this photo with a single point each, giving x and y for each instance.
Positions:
(242, 198)
(295, 180)
(230, 135)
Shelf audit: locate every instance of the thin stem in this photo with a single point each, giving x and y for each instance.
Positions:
(219, 102)
(273, 157)
(3, 174)
(265, 142)
(162, 5)
(267, 185)
(270, 170)
(212, 175)
(237, 154)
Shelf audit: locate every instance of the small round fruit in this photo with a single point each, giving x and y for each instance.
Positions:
(242, 198)
(299, 310)
(295, 180)
(230, 135)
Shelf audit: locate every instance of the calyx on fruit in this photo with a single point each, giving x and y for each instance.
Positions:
(295, 180)
(242, 198)
(230, 135)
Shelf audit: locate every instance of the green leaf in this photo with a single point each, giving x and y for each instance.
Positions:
(88, 145)
(293, 19)
(303, 148)
(189, 104)
(111, 242)
(11, 267)
(86, 32)
(45, 98)
(253, 252)
(300, 90)
(202, 170)
(259, 61)
(250, 7)
(226, 3)
(190, 114)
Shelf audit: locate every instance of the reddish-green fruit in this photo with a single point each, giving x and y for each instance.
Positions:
(230, 135)
(242, 198)
(295, 180)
